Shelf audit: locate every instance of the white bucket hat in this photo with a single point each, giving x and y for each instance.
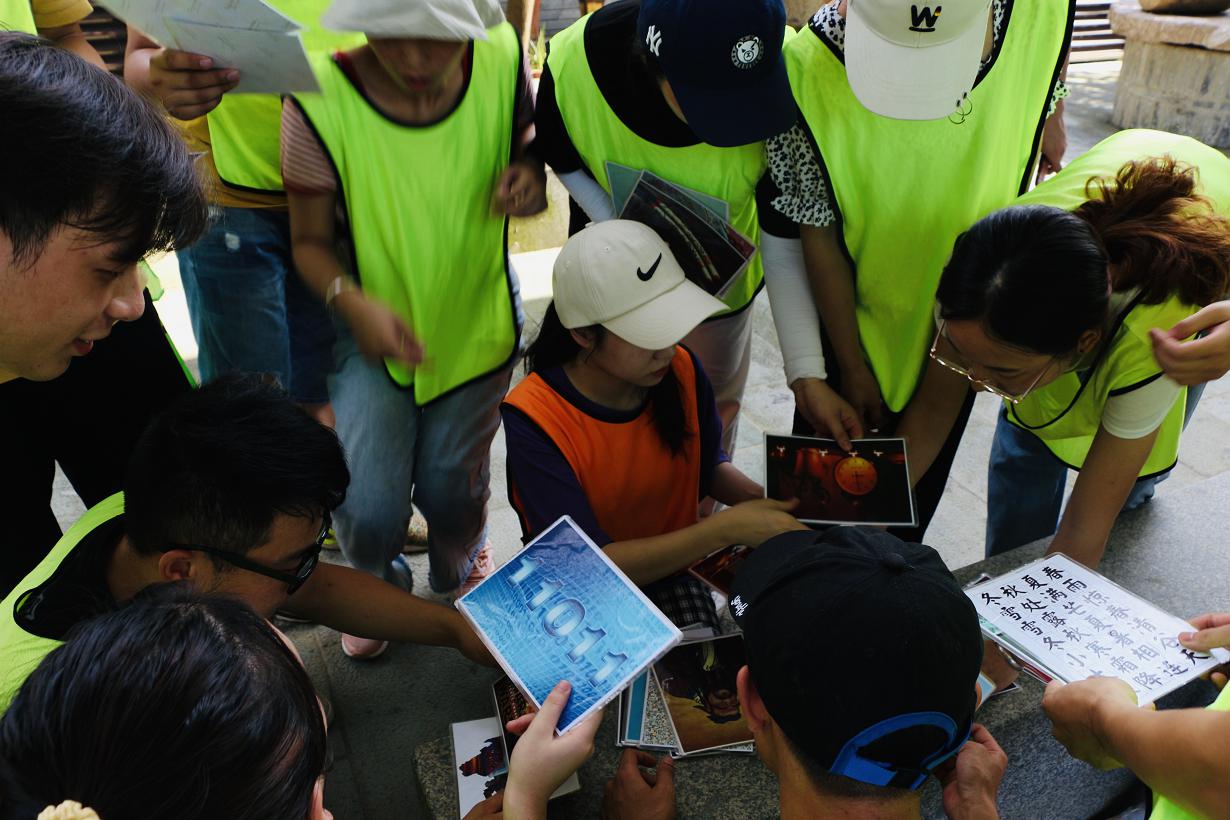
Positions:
(426, 19)
(914, 61)
(621, 275)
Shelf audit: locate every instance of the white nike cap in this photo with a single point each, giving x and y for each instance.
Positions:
(426, 19)
(914, 60)
(621, 275)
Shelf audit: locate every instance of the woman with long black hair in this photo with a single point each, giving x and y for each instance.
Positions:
(1049, 304)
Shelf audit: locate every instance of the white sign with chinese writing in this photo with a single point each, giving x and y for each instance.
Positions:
(1073, 623)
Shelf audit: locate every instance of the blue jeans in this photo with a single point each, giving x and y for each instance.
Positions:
(250, 310)
(1025, 484)
(437, 455)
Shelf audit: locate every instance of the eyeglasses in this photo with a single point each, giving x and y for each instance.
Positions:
(1014, 398)
(293, 580)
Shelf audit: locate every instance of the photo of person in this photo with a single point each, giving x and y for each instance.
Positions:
(869, 484)
(698, 684)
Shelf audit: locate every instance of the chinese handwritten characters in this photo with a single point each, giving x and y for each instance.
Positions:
(1072, 623)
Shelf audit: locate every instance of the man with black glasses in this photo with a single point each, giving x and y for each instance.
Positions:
(229, 490)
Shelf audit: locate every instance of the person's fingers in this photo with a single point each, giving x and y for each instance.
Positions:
(585, 730)
(1208, 620)
(191, 112)
(518, 725)
(785, 506)
(554, 704)
(982, 736)
(1206, 639)
(189, 80)
(177, 60)
(196, 96)
(1206, 317)
(666, 774)
(646, 759)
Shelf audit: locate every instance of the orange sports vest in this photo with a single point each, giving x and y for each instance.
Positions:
(635, 487)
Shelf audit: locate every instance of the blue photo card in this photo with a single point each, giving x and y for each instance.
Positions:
(560, 610)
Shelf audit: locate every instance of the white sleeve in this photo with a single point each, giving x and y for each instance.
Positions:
(1140, 411)
(589, 195)
(794, 309)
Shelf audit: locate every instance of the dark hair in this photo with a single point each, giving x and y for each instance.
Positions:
(80, 149)
(835, 785)
(555, 347)
(175, 706)
(216, 466)
(1037, 276)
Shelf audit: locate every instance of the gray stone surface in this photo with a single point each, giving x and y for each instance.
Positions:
(1163, 552)
(1134, 21)
(1185, 6)
(1176, 71)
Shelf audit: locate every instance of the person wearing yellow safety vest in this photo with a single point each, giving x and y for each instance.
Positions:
(1182, 755)
(250, 311)
(1049, 304)
(93, 180)
(419, 136)
(56, 20)
(687, 90)
(915, 120)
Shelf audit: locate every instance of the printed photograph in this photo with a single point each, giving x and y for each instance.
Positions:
(698, 685)
(478, 757)
(869, 484)
(718, 569)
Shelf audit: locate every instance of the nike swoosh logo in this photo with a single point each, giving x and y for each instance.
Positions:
(647, 275)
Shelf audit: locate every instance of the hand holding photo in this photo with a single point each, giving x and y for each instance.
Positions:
(560, 610)
(869, 484)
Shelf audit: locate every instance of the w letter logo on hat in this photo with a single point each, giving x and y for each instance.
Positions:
(653, 39)
(924, 20)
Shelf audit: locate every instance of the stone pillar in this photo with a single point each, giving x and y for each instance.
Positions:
(1175, 75)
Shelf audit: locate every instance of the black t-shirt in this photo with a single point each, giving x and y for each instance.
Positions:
(628, 85)
(77, 591)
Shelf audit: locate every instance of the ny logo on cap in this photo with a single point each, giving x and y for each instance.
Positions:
(925, 19)
(653, 39)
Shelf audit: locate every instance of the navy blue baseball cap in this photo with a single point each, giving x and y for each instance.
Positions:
(864, 648)
(723, 60)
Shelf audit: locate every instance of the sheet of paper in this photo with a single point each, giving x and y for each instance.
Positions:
(1079, 624)
(269, 62)
(150, 16)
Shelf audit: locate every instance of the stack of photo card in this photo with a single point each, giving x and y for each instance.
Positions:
(695, 226)
(688, 704)
(560, 610)
(867, 484)
(1065, 622)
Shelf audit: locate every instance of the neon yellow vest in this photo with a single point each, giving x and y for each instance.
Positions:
(15, 15)
(21, 652)
(426, 241)
(600, 136)
(1129, 361)
(1163, 809)
(905, 189)
(244, 129)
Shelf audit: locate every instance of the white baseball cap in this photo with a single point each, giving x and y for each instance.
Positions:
(426, 19)
(621, 275)
(914, 60)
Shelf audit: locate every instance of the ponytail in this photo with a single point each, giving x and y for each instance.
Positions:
(1160, 236)
(555, 347)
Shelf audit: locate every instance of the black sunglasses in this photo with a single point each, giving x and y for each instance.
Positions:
(293, 580)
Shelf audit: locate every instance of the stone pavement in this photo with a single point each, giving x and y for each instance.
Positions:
(383, 710)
